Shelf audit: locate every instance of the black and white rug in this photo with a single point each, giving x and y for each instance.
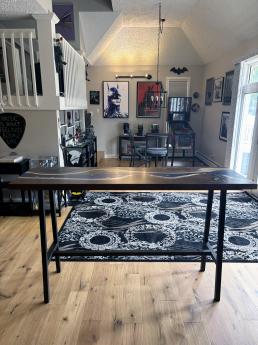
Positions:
(159, 221)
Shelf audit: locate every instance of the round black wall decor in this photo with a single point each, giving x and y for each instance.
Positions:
(12, 128)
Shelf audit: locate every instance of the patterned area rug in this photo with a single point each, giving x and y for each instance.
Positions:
(162, 221)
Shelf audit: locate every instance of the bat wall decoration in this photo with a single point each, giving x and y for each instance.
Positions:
(179, 70)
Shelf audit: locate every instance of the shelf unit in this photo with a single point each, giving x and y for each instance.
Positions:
(70, 122)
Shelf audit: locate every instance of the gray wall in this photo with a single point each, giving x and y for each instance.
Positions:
(41, 137)
(108, 130)
(210, 145)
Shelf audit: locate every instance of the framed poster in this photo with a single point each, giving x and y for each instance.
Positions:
(94, 97)
(209, 91)
(223, 133)
(76, 115)
(63, 134)
(147, 91)
(70, 132)
(69, 118)
(218, 89)
(62, 117)
(227, 93)
(115, 99)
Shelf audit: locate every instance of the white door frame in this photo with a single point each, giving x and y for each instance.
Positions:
(187, 79)
(245, 89)
(168, 79)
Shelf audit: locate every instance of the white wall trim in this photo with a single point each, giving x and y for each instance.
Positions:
(112, 155)
(187, 79)
(207, 160)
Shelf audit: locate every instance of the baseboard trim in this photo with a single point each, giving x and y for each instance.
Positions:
(110, 156)
(207, 160)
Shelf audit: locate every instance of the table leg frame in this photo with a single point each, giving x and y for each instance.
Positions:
(43, 240)
(207, 227)
(48, 254)
(54, 228)
(220, 241)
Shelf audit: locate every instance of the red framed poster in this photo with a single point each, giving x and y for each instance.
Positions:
(148, 99)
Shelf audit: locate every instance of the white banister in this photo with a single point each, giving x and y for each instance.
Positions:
(6, 71)
(33, 70)
(16, 78)
(9, 33)
(24, 70)
(16, 55)
(74, 76)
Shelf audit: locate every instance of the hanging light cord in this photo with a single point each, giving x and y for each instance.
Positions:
(160, 31)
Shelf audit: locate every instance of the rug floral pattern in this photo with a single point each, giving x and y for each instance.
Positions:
(159, 221)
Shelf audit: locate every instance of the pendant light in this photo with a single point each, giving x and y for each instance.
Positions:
(156, 95)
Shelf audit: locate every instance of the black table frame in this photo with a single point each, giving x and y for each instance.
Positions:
(54, 252)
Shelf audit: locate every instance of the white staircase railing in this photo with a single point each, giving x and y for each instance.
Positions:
(17, 69)
(74, 77)
(19, 87)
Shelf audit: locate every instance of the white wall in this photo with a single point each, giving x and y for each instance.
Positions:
(40, 137)
(210, 145)
(108, 130)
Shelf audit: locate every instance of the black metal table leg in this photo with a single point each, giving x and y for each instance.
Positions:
(221, 229)
(30, 200)
(43, 239)
(207, 227)
(54, 227)
(23, 196)
(59, 201)
(64, 196)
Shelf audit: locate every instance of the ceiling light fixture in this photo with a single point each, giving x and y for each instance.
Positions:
(156, 96)
(146, 76)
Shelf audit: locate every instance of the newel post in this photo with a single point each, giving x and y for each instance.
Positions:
(46, 38)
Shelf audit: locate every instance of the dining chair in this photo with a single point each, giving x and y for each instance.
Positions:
(183, 141)
(138, 149)
(156, 147)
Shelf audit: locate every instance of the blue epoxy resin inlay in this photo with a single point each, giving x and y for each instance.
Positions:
(172, 175)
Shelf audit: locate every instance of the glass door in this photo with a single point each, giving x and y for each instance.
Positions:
(246, 139)
(244, 159)
(245, 152)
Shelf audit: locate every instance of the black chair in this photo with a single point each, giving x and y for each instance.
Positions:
(138, 150)
(156, 147)
(184, 141)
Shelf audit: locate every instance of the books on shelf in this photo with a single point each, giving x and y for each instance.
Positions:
(11, 159)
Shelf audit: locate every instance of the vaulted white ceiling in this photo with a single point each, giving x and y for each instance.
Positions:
(195, 32)
(144, 13)
(23, 7)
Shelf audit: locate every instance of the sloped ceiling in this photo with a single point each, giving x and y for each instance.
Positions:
(24, 7)
(145, 12)
(135, 46)
(196, 31)
(215, 27)
(96, 37)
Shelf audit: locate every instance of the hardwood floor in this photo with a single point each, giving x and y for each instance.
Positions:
(119, 303)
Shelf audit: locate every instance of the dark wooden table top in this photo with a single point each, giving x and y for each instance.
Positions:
(132, 179)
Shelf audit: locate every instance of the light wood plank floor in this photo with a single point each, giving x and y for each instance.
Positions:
(119, 303)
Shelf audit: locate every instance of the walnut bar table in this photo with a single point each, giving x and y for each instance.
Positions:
(158, 179)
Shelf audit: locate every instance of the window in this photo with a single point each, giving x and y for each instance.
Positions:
(245, 152)
(254, 74)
